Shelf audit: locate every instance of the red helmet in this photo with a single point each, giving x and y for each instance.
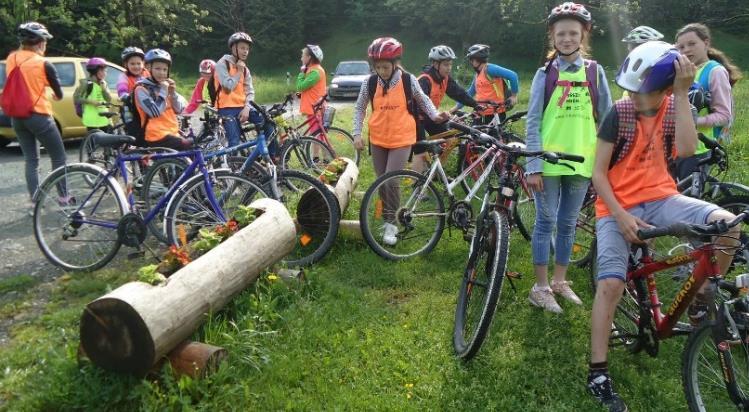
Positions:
(207, 66)
(385, 48)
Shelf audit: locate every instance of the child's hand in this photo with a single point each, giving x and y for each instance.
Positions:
(629, 225)
(685, 71)
(241, 65)
(171, 86)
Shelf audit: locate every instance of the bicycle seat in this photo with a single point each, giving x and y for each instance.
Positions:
(108, 115)
(431, 146)
(112, 140)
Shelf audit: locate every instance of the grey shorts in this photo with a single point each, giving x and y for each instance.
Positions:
(613, 249)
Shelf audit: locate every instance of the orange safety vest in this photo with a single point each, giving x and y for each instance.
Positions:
(132, 80)
(314, 93)
(391, 125)
(490, 90)
(159, 127)
(437, 91)
(234, 98)
(35, 77)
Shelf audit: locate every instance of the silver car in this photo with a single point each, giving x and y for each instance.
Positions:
(348, 78)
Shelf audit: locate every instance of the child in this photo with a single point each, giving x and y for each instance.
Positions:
(636, 141)
(311, 82)
(92, 94)
(204, 90)
(567, 97)
(716, 75)
(159, 104)
(489, 83)
(392, 125)
(132, 59)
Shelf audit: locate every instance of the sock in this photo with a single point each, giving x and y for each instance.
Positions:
(598, 368)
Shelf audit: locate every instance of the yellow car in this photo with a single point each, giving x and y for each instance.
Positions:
(70, 70)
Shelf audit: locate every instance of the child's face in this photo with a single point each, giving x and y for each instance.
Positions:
(444, 68)
(242, 50)
(644, 102)
(102, 73)
(159, 71)
(135, 65)
(475, 62)
(690, 45)
(305, 57)
(384, 68)
(567, 35)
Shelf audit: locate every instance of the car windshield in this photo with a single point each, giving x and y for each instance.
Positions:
(349, 69)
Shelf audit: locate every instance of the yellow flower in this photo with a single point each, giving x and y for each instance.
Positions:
(409, 385)
(408, 395)
(272, 277)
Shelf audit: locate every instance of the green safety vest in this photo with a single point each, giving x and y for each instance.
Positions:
(91, 117)
(709, 131)
(570, 128)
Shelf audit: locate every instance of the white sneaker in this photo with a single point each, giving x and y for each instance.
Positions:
(390, 237)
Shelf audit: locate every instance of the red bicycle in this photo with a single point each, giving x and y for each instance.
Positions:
(715, 361)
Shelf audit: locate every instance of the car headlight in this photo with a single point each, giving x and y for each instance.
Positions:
(334, 85)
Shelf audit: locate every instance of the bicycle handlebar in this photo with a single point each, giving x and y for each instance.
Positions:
(708, 142)
(682, 229)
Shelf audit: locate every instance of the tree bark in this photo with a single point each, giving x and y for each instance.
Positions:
(131, 328)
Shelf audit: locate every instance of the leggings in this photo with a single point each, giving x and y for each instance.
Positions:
(42, 128)
(387, 160)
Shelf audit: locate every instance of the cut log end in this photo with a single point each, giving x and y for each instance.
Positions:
(114, 336)
(196, 359)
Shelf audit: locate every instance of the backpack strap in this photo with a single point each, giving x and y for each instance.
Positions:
(669, 130)
(626, 132)
(372, 89)
(429, 82)
(704, 79)
(591, 75)
(409, 91)
(552, 76)
(591, 81)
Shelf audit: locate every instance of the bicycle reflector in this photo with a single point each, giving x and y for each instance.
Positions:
(305, 239)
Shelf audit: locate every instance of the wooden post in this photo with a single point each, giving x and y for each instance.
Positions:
(350, 228)
(131, 328)
(346, 184)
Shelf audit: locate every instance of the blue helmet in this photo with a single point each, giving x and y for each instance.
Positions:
(648, 68)
(158, 55)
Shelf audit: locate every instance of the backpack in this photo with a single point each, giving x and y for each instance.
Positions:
(508, 91)
(76, 102)
(627, 130)
(591, 81)
(136, 126)
(16, 100)
(407, 79)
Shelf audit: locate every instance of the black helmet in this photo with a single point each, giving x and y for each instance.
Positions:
(479, 52)
(33, 32)
(131, 51)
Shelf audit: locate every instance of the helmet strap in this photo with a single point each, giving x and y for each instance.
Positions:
(559, 52)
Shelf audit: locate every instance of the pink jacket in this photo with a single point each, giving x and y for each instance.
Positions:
(197, 96)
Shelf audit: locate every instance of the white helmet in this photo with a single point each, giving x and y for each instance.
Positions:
(441, 52)
(315, 51)
(642, 34)
(649, 67)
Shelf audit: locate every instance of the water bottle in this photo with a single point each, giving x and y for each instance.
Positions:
(127, 117)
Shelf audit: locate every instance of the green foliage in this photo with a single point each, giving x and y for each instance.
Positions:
(16, 283)
(150, 274)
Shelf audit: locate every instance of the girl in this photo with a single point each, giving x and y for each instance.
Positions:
(716, 75)
(132, 59)
(567, 97)
(392, 125)
(311, 80)
(203, 90)
(92, 94)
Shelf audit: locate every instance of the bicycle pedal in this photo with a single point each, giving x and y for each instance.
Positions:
(514, 275)
(682, 328)
(136, 255)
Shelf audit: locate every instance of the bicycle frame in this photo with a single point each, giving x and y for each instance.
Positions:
(706, 268)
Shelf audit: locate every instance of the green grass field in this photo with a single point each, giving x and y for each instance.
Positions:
(360, 334)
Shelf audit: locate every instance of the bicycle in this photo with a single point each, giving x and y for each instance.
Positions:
(640, 323)
(83, 208)
(486, 268)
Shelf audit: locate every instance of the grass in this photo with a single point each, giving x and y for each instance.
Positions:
(360, 334)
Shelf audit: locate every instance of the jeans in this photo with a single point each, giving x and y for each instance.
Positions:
(557, 207)
(40, 128)
(234, 128)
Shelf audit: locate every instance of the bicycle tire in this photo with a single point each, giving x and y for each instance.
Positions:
(707, 391)
(190, 208)
(490, 245)
(737, 204)
(56, 201)
(341, 143)
(305, 154)
(524, 213)
(160, 177)
(585, 234)
(374, 212)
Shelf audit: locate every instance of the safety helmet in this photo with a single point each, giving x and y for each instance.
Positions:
(131, 51)
(441, 52)
(240, 37)
(33, 32)
(158, 55)
(385, 48)
(94, 63)
(315, 51)
(207, 66)
(570, 9)
(478, 52)
(648, 68)
(698, 97)
(642, 34)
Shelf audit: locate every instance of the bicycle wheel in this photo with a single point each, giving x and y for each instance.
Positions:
(90, 152)
(305, 154)
(481, 286)
(703, 374)
(525, 213)
(316, 212)
(72, 235)
(401, 200)
(191, 210)
(160, 177)
(585, 234)
(341, 143)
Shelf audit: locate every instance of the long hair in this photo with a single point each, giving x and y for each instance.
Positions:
(699, 29)
(552, 53)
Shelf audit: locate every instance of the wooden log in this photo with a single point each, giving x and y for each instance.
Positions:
(346, 184)
(311, 205)
(196, 359)
(351, 228)
(131, 328)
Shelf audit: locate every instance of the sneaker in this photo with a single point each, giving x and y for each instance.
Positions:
(563, 289)
(544, 299)
(601, 387)
(390, 237)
